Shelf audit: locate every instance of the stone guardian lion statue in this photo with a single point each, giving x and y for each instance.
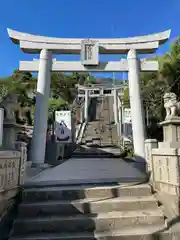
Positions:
(171, 105)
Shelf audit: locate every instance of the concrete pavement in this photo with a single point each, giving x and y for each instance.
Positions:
(91, 170)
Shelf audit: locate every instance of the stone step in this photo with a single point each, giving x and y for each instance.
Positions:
(148, 233)
(86, 206)
(88, 140)
(84, 155)
(96, 138)
(83, 192)
(91, 150)
(86, 152)
(93, 137)
(91, 155)
(81, 155)
(101, 222)
(98, 155)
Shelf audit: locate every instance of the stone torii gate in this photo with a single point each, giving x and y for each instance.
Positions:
(89, 50)
(99, 90)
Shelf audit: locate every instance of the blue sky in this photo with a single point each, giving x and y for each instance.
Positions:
(83, 18)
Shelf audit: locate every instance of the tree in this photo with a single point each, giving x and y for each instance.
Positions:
(170, 70)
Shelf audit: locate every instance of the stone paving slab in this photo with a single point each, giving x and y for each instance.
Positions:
(95, 170)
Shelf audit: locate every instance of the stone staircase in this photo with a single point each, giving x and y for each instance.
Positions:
(88, 212)
(102, 131)
(86, 153)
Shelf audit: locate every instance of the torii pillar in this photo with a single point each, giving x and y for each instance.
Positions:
(86, 105)
(115, 106)
(137, 113)
(38, 146)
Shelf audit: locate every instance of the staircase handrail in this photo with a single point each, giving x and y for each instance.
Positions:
(81, 132)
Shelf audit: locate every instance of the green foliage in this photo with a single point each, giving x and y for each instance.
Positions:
(127, 153)
(171, 67)
(63, 92)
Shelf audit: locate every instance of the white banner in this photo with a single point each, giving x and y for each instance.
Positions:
(63, 126)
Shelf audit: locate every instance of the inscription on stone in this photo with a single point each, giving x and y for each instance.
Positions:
(148, 156)
(167, 170)
(89, 52)
(178, 133)
(160, 170)
(165, 133)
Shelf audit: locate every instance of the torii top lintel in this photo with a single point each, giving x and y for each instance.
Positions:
(143, 44)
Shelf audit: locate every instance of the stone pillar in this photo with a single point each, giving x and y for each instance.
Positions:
(1, 125)
(115, 104)
(10, 135)
(41, 109)
(22, 147)
(137, 112)
(149, 145)
(119, 116)
(122, 122)
(86, 105)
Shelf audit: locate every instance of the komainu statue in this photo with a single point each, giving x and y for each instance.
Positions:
(171, 105)
(9, 103)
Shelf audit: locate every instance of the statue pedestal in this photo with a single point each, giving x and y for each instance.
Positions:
(166, 162)
(171, 133)
(10, 130)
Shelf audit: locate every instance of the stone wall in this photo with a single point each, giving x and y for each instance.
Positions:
(163, 160)
(9, 176)
(166, 170)
(13, 157)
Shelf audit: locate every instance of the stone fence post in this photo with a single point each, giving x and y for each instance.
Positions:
(22, 147)
(165, 166)
(149, 145)
(1, 125)
(9, 171)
